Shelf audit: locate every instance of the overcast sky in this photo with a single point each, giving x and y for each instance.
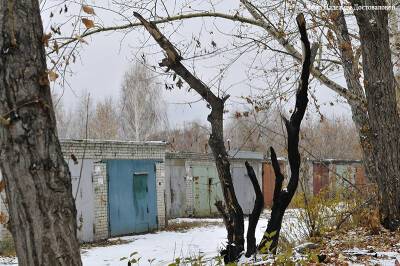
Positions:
(106, 57)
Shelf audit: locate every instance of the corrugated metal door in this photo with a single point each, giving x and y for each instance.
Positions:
(177, 186)
(320, 177)
(361, 179)
(345, 171)
(268, 181)
(206, 190)
(243, 189)
(84, 198)
(131, 196)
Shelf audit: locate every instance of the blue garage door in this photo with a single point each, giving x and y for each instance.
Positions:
(132, 193)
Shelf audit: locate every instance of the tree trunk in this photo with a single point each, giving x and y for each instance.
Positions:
(282, 197)
(38, 183)
(232, 212)
(384, 122)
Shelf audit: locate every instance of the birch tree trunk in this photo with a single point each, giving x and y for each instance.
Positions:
(38, 183)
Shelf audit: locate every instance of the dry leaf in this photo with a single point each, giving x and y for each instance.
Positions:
(2, 185)
(3, 218)
(53, 75)
(88, 10)
(56, 47)
(88, 23)
(46, 38)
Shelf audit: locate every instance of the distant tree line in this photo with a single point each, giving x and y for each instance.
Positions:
(141, 114)
(138, 114)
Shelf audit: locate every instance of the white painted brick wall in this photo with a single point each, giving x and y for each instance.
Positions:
(109, 149)
(100, 201)
(160, 187)
(100, 149)
(189, 189)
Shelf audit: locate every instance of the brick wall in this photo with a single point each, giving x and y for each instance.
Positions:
(100, 201)
(189, 189)
(109, 149)
(160, 186)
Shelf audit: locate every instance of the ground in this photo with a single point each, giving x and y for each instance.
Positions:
(204, 237)
(361, 246)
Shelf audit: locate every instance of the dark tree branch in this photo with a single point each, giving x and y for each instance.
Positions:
(232, 213)
(282, 198)
(278, 175)
(173, 61)
(255, 214)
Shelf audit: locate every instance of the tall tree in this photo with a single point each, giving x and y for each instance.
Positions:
(105, 121)
(384, 120)
(83, 117)
(282, 197)
(231, 211)
(38, 183)
(142, 108)
(63, 117)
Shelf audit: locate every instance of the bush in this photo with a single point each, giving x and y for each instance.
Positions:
(7, 247)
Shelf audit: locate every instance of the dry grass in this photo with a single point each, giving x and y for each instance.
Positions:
(7, 248)
(105, 243)
(183, 226)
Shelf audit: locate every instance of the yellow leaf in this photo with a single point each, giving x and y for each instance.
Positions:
(88, 10)
(272, 234)
(53, 75)
(88, 23)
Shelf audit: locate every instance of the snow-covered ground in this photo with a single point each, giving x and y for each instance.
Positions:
(161, 248)
(206, 239)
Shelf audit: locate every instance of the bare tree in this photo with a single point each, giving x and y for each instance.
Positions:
(331, 138)
(231, 211)
(38, 183)
(142, 108)
(82, 119)
(63, 117)
(282, 197)
(105, 123)
(192, 136)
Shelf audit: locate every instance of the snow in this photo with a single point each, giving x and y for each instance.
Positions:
(163, 246)
(378, 258)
